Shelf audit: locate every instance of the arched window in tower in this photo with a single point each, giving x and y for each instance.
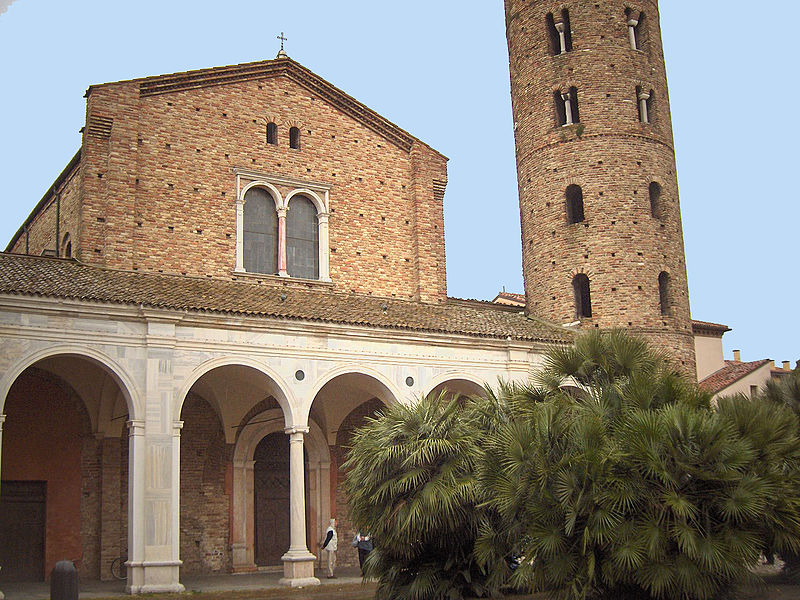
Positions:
(664, 292)
(637, 29)
(566, 106)
(272, 133)
(294, 138)
(260, 232)
(559, 31)
(583, 300)
(574, 200)
(302, 239)
(644, 102)
(656, 210)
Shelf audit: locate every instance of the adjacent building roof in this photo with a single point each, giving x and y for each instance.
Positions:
(64, 278)
(732, 372)
(510, 298)
(707, 328)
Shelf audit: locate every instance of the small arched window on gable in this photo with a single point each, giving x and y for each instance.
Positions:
(583, 300)
(272, 133)
(574, 200)
(260, 232)
(656, 209)
(66, 246)
(294, 138)
(664, 292)
(302, 238)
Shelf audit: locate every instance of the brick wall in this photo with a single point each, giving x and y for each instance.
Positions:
(158, 190)
(41, 234)
(205, 501)
(613, 157)
(47, 437)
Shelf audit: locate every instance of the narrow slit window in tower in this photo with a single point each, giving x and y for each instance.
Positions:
(555, 36)
(644, 103)
(567, 45)
(272, 133)
(566, 106)
(574, 197)
(663, 292)
(583, 301)
(636, 28)
(655, 200)
(294, 138)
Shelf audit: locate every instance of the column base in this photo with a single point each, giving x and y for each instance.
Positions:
(298, 569)
(154, 577)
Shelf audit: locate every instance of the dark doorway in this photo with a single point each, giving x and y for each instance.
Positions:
(22, 520)
(271, 482)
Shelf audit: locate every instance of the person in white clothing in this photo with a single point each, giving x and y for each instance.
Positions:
(330, 545)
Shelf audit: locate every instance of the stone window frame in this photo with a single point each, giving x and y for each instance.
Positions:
(317, 193)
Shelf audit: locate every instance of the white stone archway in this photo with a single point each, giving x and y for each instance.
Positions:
(317, 461)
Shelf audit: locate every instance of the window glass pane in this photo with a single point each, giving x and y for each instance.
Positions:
(260, 232)
(302, 239)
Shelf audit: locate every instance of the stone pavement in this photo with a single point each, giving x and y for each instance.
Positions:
(348, 578)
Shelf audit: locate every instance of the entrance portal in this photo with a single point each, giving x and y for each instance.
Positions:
(271, 483)
(22, 512)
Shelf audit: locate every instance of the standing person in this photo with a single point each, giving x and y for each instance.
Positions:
(364, 545)
(329, 545)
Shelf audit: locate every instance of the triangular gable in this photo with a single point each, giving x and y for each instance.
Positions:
(187, 80)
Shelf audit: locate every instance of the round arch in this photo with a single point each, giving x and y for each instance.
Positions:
(393, 393)
(454, 376)
(284, 396)
(319, 204)
(273, 191)
(130, 390)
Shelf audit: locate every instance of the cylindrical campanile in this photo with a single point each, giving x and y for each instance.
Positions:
(601, 225)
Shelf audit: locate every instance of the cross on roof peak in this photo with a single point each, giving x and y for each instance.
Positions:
(282, 53)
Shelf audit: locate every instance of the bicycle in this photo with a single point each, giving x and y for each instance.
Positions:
(118, 568)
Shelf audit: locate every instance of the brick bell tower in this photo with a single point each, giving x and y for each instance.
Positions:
(601, 224)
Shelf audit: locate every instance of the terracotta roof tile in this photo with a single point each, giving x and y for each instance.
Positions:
(730, 373)
(708, 326)
(510, 298)
(61, 278)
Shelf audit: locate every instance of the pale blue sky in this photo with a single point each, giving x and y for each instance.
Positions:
(439, 69)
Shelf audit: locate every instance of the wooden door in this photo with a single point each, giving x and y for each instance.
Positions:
(22, 522)
(271, 482)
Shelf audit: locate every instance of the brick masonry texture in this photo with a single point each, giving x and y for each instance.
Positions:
(613, 157)
(205, 501)
(158, 192)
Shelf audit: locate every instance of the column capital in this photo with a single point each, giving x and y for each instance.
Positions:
(2, 420)
(294, 430)
(135, 427)
(323, 217)
(560, 27)
(643, 95)
(632, 22)
(176, 428)
(282, 212)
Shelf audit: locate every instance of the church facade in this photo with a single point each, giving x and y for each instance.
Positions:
(239, 265)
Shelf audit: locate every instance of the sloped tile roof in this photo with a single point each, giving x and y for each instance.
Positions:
(510, 298)
(708, 327)
(62, 278)
(732, 371)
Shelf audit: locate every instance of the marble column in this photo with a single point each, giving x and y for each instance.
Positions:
(567, 97)
(643, 98)
(632, 23)
(282, 241)
(243, 537)
(562, 38)
(298, 562)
